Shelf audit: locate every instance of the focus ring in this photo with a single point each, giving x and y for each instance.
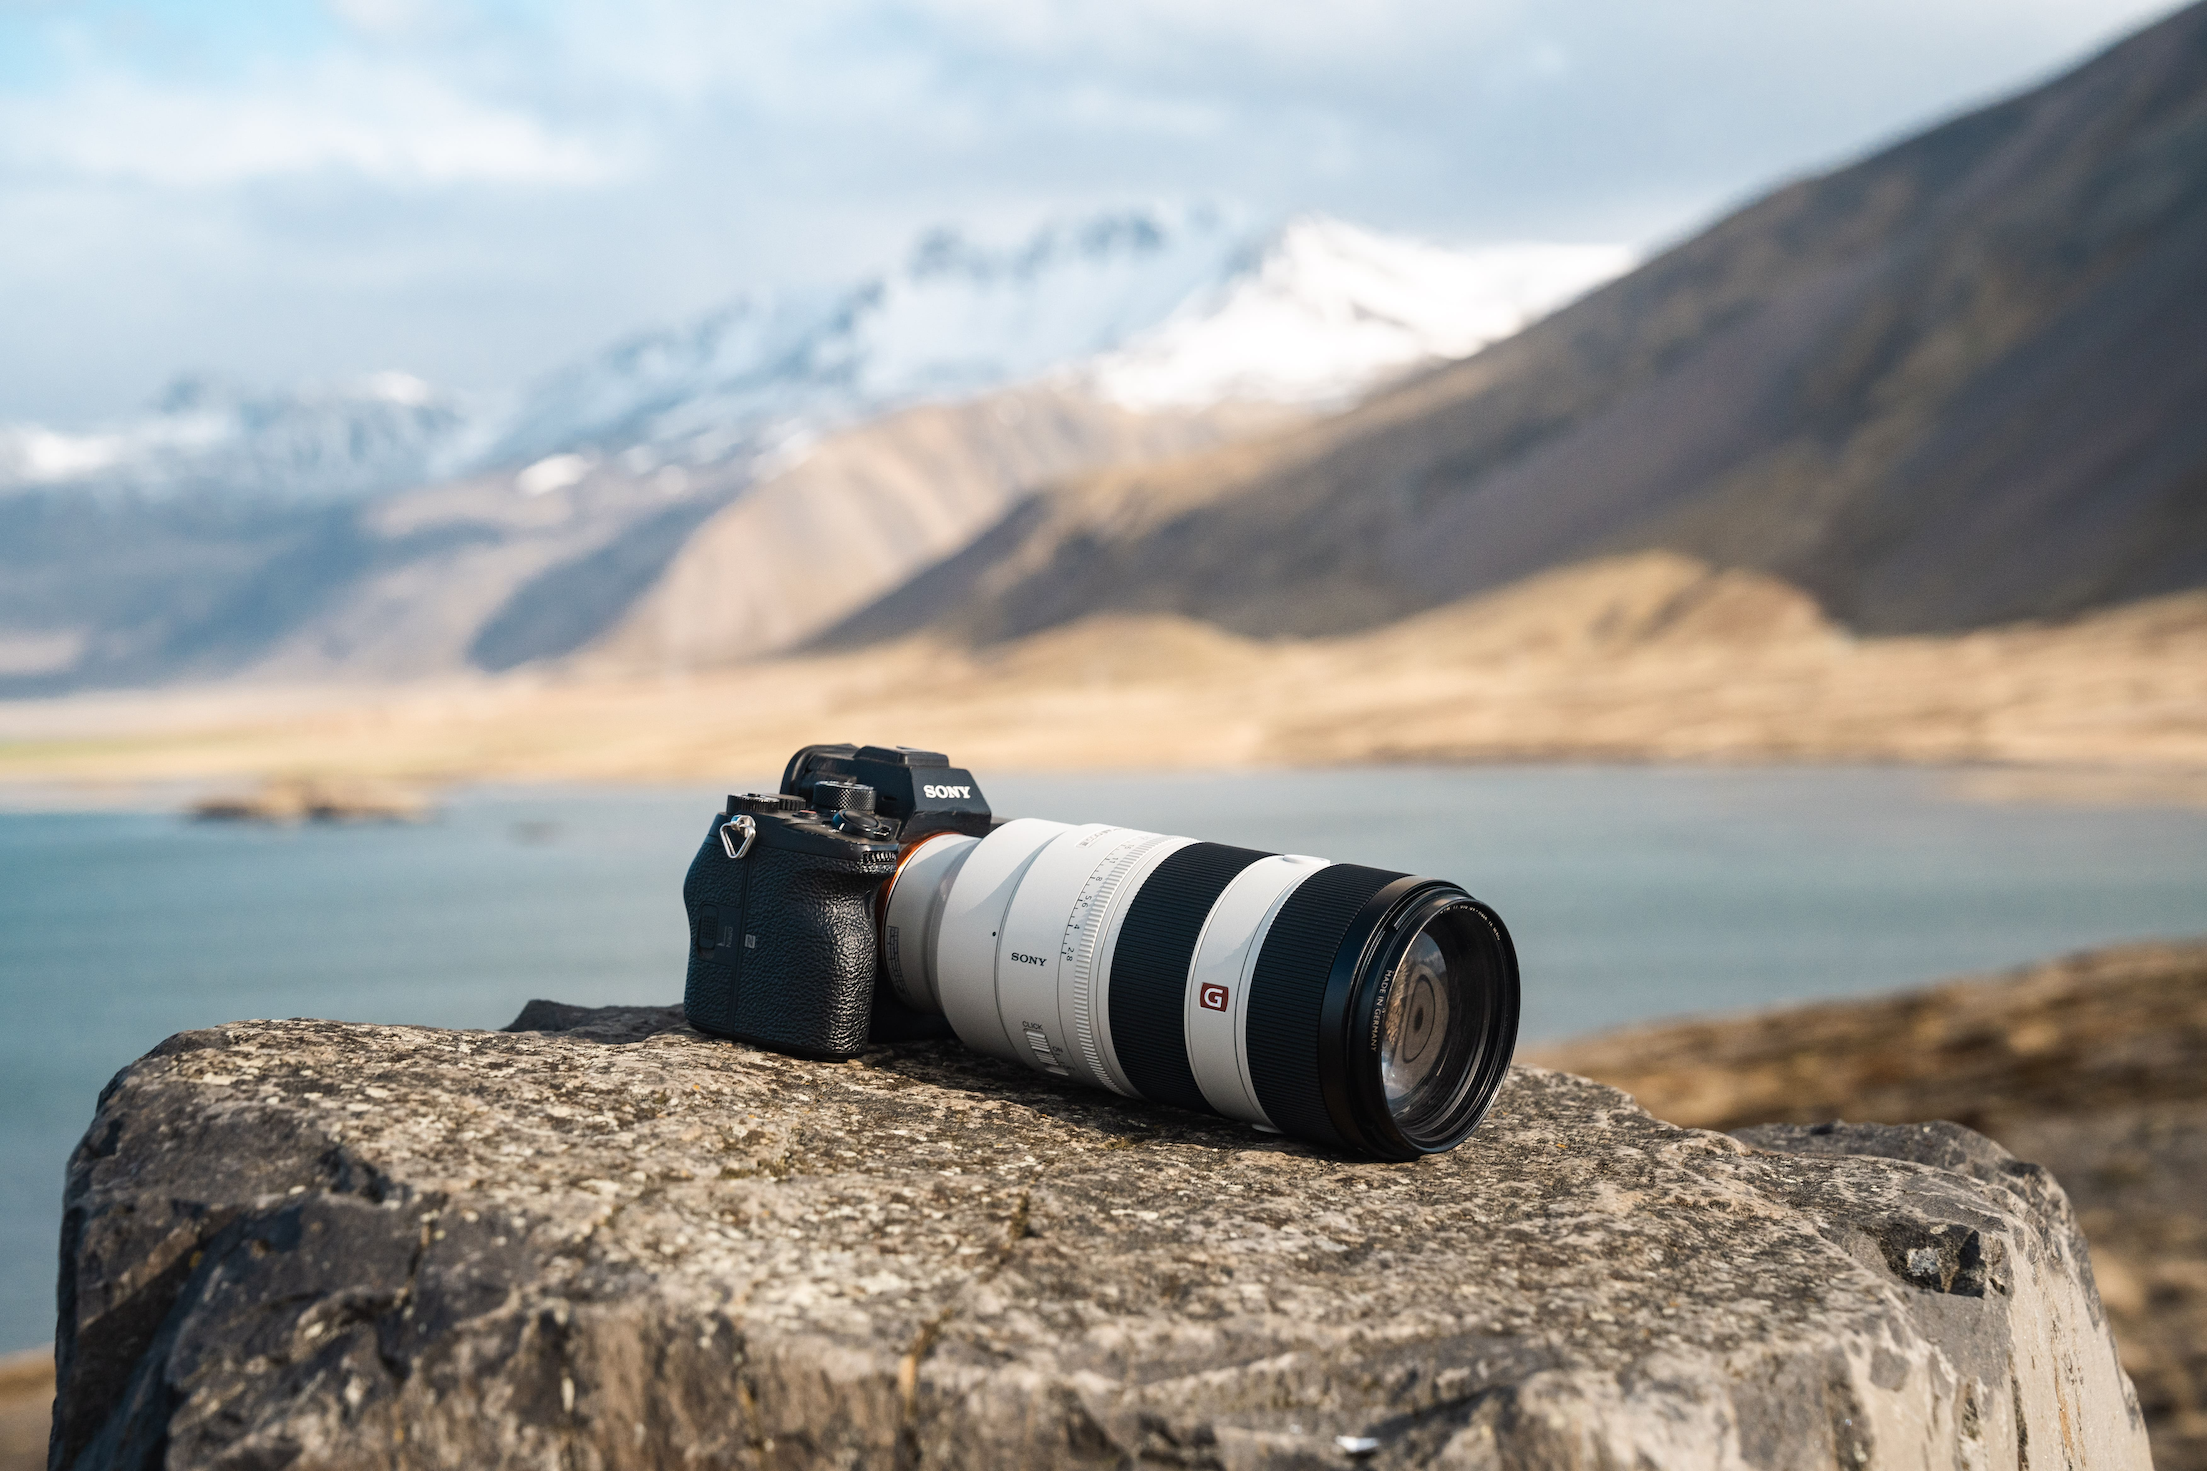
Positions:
(1287, 996)
(1149, 968)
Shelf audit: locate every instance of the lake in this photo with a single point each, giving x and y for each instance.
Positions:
(1632, 892)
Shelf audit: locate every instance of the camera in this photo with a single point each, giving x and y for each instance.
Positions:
(877, 898)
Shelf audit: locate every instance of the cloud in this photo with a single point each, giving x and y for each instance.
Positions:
(474, 189)
(392, 125)
(386, 19)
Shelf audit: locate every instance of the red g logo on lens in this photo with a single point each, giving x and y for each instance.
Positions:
(1211, 998)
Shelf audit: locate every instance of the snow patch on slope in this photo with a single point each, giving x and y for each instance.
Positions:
(955, 319)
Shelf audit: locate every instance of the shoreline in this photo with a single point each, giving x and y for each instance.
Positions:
(1989, 783)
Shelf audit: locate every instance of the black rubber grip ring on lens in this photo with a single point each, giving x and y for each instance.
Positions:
(1149, 968)
(1287, 997)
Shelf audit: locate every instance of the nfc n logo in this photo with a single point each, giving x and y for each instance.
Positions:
(1211, 998)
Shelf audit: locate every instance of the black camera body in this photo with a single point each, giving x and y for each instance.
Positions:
(782, 898)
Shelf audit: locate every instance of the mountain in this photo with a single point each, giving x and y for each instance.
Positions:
(711, 493)
(1952, 385)
(382, 433)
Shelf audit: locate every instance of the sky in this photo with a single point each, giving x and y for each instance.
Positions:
(286, 191)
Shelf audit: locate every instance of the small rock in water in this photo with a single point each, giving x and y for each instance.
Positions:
(309, 800)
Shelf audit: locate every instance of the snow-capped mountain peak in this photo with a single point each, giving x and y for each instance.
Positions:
(956, 318)
(383, 432)
(1327, 310)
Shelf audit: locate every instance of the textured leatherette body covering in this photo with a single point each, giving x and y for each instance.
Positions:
(782, 939)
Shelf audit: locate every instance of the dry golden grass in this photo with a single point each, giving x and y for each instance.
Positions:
(26, 1408)
(1649, 657)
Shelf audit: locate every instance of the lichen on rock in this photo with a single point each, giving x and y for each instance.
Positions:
(608, 1241)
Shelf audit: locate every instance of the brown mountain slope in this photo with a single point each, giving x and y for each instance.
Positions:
(1957, 384)
(871, 505)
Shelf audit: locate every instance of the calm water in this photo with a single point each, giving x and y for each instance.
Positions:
(1632, 892)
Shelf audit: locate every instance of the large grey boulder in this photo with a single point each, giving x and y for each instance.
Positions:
(614, 1243)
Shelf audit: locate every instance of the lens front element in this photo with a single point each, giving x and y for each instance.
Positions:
(1417, 1017)
(1437, 1023)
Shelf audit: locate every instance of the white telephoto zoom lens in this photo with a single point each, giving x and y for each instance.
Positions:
(1361, 1009)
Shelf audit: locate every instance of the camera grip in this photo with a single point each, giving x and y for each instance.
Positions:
(782, 947)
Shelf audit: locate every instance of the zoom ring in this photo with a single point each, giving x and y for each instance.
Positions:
(1084, 934)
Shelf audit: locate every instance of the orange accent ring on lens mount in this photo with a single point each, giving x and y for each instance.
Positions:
(889, 885)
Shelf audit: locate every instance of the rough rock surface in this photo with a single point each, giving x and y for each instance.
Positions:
(620, 1244)
(2094, 1065)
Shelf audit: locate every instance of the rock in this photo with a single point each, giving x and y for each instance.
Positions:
(2094, 1065)
(620, 1244)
